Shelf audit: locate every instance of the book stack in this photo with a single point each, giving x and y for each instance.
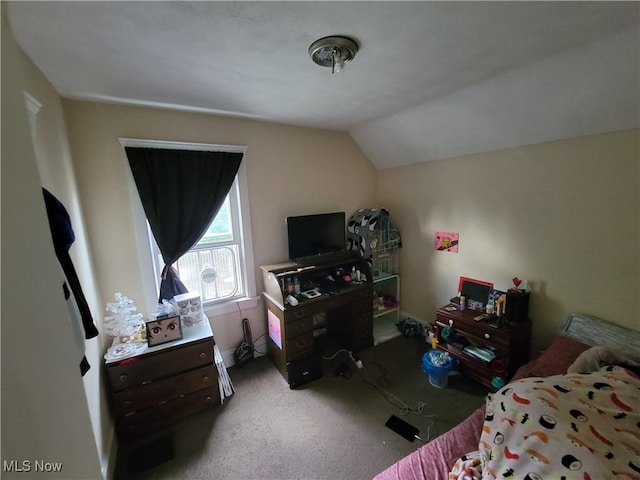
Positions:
(483, 353)
(224, 382)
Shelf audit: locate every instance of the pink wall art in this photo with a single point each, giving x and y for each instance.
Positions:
(447, 241)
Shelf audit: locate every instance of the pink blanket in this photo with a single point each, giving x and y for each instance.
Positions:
(434, 460)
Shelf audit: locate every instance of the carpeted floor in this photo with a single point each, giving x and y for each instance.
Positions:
(331, 428)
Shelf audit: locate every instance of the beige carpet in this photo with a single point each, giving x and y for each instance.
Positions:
(331, 428)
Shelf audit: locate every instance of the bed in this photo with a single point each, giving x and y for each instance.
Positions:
(437, 459)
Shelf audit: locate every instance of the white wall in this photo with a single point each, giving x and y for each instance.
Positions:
(564, 215)
(45, 416)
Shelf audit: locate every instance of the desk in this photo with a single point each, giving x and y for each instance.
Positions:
(345, 314)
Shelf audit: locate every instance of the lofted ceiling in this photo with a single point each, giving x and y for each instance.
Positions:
(432, 80)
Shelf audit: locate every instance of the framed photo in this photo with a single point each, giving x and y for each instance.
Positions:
(163, 330)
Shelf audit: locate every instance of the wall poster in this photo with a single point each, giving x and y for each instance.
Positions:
(447, 241)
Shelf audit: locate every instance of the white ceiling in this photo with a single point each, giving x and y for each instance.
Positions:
(431, 80)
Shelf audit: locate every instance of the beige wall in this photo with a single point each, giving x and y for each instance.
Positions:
(564, 215)
(290, 171)
(45, 413)
(57, 175)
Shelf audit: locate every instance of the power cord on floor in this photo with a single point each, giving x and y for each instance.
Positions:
(382, 384)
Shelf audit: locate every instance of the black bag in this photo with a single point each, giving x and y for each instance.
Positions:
(244, 352)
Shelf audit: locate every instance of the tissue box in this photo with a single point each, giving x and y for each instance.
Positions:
(189, 308)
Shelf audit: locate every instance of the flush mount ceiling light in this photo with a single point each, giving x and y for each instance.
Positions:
(333, 52)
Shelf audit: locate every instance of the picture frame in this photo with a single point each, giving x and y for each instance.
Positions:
(164, 330)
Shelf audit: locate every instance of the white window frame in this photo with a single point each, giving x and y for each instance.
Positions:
(144, 238)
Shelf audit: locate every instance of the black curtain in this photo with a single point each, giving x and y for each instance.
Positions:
(181, 192)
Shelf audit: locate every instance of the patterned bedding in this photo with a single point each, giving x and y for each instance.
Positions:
(577, 333)
(582, 426)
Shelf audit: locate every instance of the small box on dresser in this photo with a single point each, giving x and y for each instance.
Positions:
(157, 386)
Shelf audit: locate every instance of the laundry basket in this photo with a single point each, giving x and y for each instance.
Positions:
(438, 364)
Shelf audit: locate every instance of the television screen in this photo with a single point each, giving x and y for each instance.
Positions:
(311, 235)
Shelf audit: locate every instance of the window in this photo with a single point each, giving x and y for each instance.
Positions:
(220, 266)
(215, 266)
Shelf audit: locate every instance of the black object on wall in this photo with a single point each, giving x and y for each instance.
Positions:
(63, 237)
(181, 192)
(517, 306)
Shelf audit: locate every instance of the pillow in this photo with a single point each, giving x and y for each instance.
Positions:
(593, 359)
(555, 359)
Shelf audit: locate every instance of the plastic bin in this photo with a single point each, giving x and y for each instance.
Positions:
(438, 364)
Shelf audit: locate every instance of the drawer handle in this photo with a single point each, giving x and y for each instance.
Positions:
(123, 377)
(208, 398)
(127, 403)
(205, 379)
(202, 354)
(162, 402)
(301, 343)
(486, 335)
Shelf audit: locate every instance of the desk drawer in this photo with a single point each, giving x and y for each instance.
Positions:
(366, 292)
(159, 391)
(144, 369)
(299, 327)
(296, 345)
(334, 302)
(363, 306)
(291, 314)
(362, 322)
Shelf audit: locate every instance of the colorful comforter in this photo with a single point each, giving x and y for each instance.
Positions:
(573, 426)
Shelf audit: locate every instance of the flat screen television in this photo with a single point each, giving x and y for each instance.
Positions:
(318, 234)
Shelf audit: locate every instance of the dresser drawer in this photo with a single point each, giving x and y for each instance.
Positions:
(144, 369)
(299, 327)
(143, 421)
(158, 391)
(481, 330)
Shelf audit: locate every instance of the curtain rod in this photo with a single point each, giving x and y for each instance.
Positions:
(174, 145)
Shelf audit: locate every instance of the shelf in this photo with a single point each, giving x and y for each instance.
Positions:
(382, 276)
(384, 329)
(384, 311)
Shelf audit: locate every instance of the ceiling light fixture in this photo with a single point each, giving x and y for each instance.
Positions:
(333, 52)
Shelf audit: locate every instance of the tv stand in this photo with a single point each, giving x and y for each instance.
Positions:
(342, 311)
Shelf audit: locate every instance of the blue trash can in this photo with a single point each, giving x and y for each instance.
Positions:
(438, 364)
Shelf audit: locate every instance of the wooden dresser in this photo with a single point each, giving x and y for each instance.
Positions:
(156, 386)
(509, 343)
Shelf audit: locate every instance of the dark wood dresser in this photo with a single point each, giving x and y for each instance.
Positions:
(509, 342)
(157, 386)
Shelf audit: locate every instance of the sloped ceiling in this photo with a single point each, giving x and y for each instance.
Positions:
(432, 80)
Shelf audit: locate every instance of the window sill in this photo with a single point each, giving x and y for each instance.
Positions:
(237, 305)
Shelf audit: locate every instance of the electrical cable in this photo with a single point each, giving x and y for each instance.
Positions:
(394, 400)
(344, 350)
(253, 344)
